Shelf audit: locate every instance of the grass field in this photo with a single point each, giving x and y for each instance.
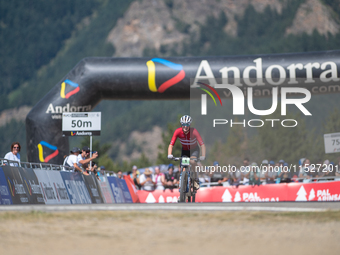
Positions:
(163, 232)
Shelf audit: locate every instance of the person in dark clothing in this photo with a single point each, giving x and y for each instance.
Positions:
(171, 178)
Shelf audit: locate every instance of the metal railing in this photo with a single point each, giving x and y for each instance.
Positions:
(42, 166)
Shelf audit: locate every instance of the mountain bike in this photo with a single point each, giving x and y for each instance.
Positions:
(187, 188)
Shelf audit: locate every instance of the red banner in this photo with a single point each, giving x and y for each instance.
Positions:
(323, 191)
(132, 188)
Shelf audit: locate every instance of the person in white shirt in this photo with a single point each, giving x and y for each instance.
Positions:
(159, 179)
(14, 153)
(72, 161)
(147, 180)
(83, 157)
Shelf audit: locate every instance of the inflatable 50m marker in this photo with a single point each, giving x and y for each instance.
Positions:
(94, 79)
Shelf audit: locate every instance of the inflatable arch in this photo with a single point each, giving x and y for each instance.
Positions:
(94, 79)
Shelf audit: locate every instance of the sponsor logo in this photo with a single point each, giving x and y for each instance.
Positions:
(167, 84)
(28, 187)
(72, 92)
(10, 184)
(204, 97)
(41, 151)
(67, 108)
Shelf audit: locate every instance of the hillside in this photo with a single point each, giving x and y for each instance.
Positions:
(147, 28)
(160, 24)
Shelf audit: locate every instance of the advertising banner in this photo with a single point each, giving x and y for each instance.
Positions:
(16, 185)
(32, 186)
(76, 188)
(49, 194)
(106, 190)
(5, 196)
(59, 187)
(116, 189)
(315, 191)
(132, 188)
(158, 196)
(125, 190)
(93, 189)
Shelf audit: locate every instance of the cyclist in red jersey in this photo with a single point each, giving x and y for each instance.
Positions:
(189, 138)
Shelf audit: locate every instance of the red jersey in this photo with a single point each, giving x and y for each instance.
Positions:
(189, 140)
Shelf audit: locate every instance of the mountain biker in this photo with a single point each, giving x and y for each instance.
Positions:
(189, 138)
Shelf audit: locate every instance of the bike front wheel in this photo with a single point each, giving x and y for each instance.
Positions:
(183, 186)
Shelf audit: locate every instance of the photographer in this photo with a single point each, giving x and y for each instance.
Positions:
(147, 180)
(84, 157)
(92, 167)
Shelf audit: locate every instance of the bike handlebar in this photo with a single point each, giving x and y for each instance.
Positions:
(179, 158)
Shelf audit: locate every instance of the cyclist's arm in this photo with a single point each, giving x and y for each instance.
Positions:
(170, 149)
(172, 142)
(203, 150)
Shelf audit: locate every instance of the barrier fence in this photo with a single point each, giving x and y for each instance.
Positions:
(31, 183)
(316, 191)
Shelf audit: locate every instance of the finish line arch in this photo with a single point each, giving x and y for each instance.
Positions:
(95, 79)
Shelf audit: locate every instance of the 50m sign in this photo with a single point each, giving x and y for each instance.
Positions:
(81, 123)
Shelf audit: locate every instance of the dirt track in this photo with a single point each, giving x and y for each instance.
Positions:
(170, 233)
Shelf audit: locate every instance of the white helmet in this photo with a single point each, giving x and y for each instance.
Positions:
(186, 119)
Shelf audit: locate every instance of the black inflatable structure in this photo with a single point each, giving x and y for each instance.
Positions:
(94, 79)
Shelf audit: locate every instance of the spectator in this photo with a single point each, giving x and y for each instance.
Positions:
(171, 179)
(285, 174)
(254, 174)
(101, 171)
(330, 171)
(91, 167)
(159, 179)
(218, 176)
(280, 172)
(305, 171)
(147, 180)
(270, 174)
(14, 153)
(120, 174)
(235, 176)
(135, 177)
(84, 157)
(319, 167)
(72, 161)
(263, 170)
(245, 170)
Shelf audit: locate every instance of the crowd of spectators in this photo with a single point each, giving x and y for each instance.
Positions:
(80, 161)
(271, 172)
(267, 172)
(152, 178)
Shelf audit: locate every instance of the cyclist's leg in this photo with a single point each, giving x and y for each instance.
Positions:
(195, 155)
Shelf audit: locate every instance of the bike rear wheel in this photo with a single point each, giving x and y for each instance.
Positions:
(184, 181)
(193, 198)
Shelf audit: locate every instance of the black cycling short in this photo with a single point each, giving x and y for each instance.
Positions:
(191, 153)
